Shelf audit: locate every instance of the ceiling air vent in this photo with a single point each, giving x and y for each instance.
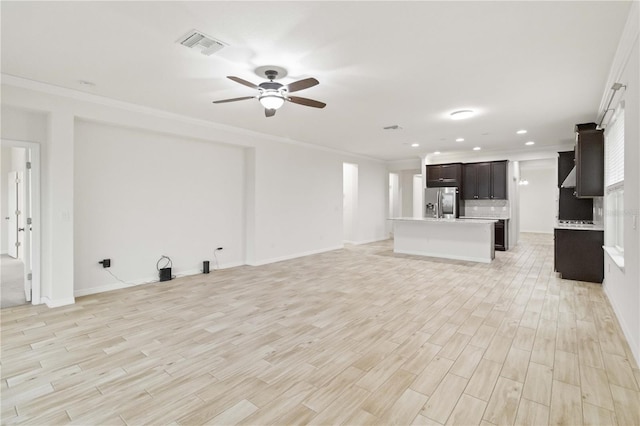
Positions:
(197, 39)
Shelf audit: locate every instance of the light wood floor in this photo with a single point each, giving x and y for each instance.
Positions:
(353, 336)
(11, 282)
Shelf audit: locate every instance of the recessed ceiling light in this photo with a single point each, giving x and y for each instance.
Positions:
(460, 140)
(530, 143)
(477, 148)
(462, 114)
(521, 132)
(437, 153)
(415, 145)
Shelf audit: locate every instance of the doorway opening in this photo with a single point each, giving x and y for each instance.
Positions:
(349, 202)
(20, 194)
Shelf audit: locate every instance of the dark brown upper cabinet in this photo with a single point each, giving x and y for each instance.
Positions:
(444, 175)
(485, 181)
(589, 153)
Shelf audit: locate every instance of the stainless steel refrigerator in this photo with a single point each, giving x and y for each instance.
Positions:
(441, 202)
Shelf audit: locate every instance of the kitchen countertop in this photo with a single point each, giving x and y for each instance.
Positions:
(486, 217)
(433, 219)
(580, 226)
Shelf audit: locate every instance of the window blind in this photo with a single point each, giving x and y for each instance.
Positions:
(614, 149)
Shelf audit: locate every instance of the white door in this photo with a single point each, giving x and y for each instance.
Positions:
(13, 213)
(25, 219)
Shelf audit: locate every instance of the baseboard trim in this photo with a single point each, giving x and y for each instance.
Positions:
(58, 302)
(226, 266)
(142, 281)
(294, 256)
(103, 288)
(375, 240)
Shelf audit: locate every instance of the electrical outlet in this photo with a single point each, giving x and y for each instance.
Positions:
(106, 263)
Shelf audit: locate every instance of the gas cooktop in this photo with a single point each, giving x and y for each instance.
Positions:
(575, 222)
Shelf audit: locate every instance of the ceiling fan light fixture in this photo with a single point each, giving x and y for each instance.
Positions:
(271, 99)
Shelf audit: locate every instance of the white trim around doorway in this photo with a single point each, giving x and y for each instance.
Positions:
(36, 233)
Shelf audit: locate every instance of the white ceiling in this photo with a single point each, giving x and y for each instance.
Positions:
(537, 65)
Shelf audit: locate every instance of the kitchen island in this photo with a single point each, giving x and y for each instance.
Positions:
(461, 239)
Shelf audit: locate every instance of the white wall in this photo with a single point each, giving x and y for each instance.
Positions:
(350, 201)
(623, 286)
(538, 198)
(372, 201)
(394, 195)
(298, 202)
(140, 195)
(406, 191)
(4, 181)
(418, 196)
(291, 191)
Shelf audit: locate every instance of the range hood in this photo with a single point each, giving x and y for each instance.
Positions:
(570, 181)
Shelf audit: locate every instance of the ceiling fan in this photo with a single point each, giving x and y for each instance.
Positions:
(272, 95)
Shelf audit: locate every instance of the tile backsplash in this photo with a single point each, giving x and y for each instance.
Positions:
(486, 208)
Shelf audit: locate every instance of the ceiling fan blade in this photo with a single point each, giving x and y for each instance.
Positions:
(241, 81)
(306, 102)
(233, 100)
(301, 84)
(269, 112)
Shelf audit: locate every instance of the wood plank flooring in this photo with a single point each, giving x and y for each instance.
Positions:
(11, 282)
(352, 336)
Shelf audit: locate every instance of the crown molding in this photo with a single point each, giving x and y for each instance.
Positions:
(50, 89)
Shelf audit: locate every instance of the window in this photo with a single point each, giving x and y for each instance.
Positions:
(614, 228)
(614, 182)
(614, 149)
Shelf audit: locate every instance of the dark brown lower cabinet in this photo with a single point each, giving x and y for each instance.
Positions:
(500, 242)
(579, 255)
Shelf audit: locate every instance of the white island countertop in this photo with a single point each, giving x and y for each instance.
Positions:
(497, 217)
(443, 220)
(461, 239)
